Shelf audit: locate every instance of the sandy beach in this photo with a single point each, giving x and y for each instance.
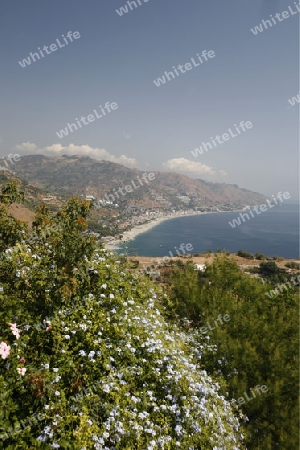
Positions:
(130, 235)
(139, 229)
(143, 228)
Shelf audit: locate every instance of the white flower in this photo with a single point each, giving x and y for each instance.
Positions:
(104, 286)
(4, 350)
(55, 369)
(111, 296)
(57, 393)
(15, 331)
(22, 370)
(67, 336)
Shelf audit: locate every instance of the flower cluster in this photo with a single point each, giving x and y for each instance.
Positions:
(111, 373)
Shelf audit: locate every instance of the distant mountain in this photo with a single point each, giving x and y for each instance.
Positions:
(82, 176)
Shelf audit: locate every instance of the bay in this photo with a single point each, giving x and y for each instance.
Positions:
(273, 232)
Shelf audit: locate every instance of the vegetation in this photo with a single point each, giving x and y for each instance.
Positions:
(93, 356)
(87, 359)
(271, 272)
(293, 265)
(244, 254)
(260, 256)
(103, 230)
(257, 346)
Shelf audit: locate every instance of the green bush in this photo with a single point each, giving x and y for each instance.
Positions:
(260, 256)
(244, 254)
(87, 359)
(257, 346)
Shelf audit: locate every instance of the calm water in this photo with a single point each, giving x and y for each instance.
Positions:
(274, 232)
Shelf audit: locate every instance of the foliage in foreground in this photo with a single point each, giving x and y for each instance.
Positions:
(87, 360)
(257, 346)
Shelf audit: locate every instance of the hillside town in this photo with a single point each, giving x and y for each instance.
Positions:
(134, 215)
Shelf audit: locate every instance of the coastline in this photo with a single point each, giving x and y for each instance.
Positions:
(130, 235)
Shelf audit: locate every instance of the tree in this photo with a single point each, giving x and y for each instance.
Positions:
(257, 346)
(11, 229)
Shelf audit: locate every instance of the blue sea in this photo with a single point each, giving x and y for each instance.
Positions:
(273, 232)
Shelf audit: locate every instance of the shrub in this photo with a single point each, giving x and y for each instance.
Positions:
(258, 346)
(293, 265)
(244, 254)
(260, 256)
(87, 359)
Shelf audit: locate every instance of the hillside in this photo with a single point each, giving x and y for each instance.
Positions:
(34, 196)
(81, 176)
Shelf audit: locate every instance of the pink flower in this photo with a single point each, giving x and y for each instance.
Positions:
(15, 331)
(22, 361)
(4, 350)
(21, 370)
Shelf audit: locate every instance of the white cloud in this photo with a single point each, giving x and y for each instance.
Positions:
(223, 172)
(72, 149)
(26, 147)
(188, 166)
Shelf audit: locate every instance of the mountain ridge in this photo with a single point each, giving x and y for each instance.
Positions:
(84, 176)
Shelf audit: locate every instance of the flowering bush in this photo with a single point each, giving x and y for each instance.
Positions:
(87, 360)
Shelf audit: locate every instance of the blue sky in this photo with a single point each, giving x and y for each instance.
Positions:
(117, 58)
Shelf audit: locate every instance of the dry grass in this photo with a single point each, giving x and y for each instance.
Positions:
(147, 261)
